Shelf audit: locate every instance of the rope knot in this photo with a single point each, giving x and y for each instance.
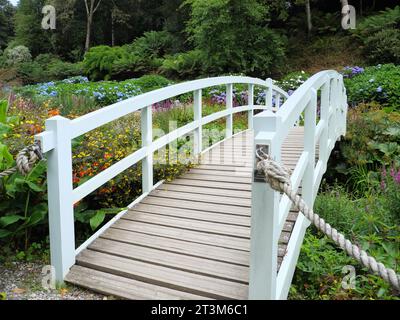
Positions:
(276, 175)
(27, 158)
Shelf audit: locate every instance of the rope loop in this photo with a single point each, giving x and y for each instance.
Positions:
(278, 177)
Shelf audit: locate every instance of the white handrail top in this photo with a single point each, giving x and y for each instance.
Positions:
(115, 111)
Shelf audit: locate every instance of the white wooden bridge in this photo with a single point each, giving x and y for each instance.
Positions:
(217, 232)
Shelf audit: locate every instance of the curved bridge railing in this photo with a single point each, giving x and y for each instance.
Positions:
(322, 102)
(56, 143)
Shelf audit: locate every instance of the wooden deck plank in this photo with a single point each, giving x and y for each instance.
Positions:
(203, 266)
(194, 214)
(232, 256)
(162, 276)
(189, 224)
(110, 284)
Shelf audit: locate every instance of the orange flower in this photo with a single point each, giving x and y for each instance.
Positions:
(107, 155)
(54, 112)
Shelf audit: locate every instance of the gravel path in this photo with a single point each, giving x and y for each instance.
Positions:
(23, 281)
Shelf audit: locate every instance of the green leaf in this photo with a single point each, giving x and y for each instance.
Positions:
(8, 220)
(4, 233)
(4, 128)
(97, 220)
(38, 214)
(3, 111)
(6, 159)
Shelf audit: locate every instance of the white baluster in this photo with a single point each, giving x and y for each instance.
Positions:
(147, 139)
(198, 133)
(251, 104)
(229, 106)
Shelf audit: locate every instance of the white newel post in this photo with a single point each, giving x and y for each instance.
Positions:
(198, 133)
(251, 104)
(310, 121)
(60, 187)
(229, 106)
(147, 139)
(264, 215)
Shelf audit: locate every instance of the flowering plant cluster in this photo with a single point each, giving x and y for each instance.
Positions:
(379, 83)
(293, 81)
(350, 72)
(104, 92)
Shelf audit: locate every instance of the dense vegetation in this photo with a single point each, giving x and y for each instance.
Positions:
(131, 47)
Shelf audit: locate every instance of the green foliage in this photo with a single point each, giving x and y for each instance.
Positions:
(261, 51)
(99, 62)
(184, 65)
(293, 80)
(73, 92)
(365, 221)
(28, 29)
(380, 83)
(380, 35)
(17, 55)
(47, 67)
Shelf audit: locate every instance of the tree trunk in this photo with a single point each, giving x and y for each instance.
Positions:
(309, 21)
(88, 33)
(112, 29)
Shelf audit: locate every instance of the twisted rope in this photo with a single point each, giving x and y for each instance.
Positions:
(278, 176)
(26, 160)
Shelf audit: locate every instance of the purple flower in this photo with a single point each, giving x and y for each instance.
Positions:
(397, 178)
(383, 185)
(379, 89)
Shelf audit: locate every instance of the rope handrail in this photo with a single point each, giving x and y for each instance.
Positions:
(278, 177)
(26, 160)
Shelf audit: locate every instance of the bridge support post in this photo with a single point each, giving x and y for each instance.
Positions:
(229, 105)
(265, 214)
(198, 115)
(147, 139)
(60, 187)
(250, 102)
(310, 127)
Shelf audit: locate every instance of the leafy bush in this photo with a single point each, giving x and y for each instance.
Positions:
(184, 65)
(293, 81)
(101, 62)
(41, 71)
(380, 83)
(380, 35)
(259, 52)
(150, 50)
(16, 55)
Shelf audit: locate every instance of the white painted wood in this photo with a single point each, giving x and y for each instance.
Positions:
(264, 216)
(288, 266)
(229, 107)
(269, 94)
(310, 118)
(251, 105)
(325, 105)
(198, 133)
(113, 112)
(286, 204)
(103, 177)
(147, 139)
(61, 211)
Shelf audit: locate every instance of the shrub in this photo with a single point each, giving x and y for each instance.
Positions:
(380, 84)
(101, 62)
(246, 44)
(17, 55)
(293, 81)
(184, 65)
(380, 35)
